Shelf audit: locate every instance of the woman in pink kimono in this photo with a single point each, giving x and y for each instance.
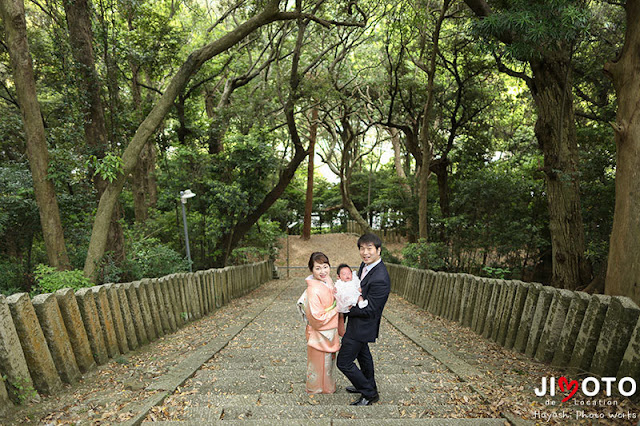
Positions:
(322, 327)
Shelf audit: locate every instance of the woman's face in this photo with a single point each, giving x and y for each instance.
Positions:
(320, 271)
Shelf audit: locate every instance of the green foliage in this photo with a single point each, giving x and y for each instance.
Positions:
(500, 273)
(425, 255)
(20, 389)
(108, 168)
(147, 257)
(537, 27)
(49, 279)
(259, 244)
(11, 276)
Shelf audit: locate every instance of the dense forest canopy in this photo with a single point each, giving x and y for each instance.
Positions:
(490, 133)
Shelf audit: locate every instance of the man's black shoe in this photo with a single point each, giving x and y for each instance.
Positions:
(351, 389)
(365, 401)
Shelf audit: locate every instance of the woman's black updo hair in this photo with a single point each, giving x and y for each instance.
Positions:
(318, 257)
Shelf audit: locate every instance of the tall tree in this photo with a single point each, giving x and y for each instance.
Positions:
(427, 127)
(308, 204)
(94, 124)
(551, 87)
(623, 270)
(269, 13)
(13, 16)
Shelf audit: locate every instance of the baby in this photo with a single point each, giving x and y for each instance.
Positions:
(347, 289)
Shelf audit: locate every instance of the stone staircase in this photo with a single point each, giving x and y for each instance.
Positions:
(259, 377)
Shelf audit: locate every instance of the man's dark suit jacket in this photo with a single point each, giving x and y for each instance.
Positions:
(364, 324)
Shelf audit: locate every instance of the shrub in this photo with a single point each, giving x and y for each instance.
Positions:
(11, 276)
(425, 255)
(149, 258)
(49, 279)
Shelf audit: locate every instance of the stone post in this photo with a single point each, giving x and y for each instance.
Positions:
(167, 296)
(154, 306)
(174, 289)
(89, 312)
(76, 331)
(116, 315)
(454, 314)
(529, 309)
(510, 288)
(570, 330)
(106, 321)
(36, 352)
(501, 306)
(127, 317)
(482, 302)
(162, 310)
(468, 302)
(217, 288)
(539, 318)
(519, 299)
(489, 322)
(550, 337)
(136, 314)
(185, 312)
(621, 319)
(589, 333)
(147, 319)
(5, 402)
(630, 366)
(55, 333)
(12, 361)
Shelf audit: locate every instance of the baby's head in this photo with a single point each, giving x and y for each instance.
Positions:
(344, 273)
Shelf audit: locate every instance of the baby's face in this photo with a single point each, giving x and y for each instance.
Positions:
(345, 274)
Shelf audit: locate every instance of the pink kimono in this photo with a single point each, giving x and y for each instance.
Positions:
(322, 337)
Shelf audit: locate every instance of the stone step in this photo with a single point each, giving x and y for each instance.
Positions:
(374, 412)
(348, 422)
(285, 368)
(340, 398)
(252, 382)
(299, 387)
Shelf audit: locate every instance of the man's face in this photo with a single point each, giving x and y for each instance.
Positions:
(369, 253)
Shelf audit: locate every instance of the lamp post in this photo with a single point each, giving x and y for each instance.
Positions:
(184, 196)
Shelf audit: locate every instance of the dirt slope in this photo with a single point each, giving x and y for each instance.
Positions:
(339, 248)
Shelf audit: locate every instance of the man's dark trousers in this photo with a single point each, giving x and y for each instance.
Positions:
(363, 378)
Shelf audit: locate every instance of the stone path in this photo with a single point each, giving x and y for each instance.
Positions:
(260, 377)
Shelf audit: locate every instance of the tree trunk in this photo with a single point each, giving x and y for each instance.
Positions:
(345, 181)
(81, 39)
(426, 128)
(623, 269)
(308, 204)
(440, 168)
(95, 129)
(397, 162)
(348, 152)
(143, 183)
(99, 233)
(556, 133)
(13, 17)
(551, 88)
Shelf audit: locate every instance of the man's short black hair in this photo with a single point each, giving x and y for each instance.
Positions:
(370, 239)
(340, 266)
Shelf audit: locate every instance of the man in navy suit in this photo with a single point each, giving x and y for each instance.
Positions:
(363, 324)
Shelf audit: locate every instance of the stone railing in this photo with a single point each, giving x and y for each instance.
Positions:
(55, 337)
(572, 330)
